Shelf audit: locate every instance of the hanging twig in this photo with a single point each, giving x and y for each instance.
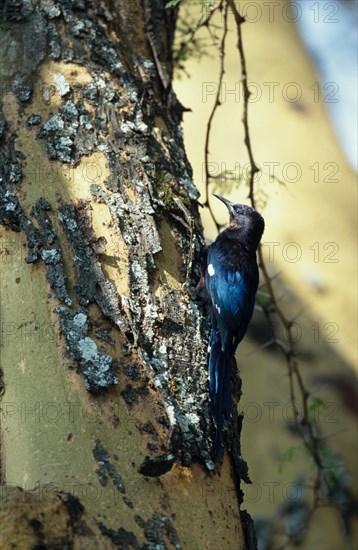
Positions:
(217, 103)
(253, 167)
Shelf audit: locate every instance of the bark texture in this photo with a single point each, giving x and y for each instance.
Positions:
(103, 338)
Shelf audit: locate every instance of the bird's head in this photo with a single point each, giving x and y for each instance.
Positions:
(246, 221)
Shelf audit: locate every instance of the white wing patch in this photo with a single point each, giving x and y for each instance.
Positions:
(211, 270)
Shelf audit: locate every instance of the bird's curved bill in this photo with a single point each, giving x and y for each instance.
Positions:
(229, 204)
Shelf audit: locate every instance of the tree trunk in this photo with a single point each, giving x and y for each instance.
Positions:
(106, 435)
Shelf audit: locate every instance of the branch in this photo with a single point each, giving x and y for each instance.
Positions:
(217, 103)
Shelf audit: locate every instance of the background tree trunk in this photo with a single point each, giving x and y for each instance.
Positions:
(106, 434)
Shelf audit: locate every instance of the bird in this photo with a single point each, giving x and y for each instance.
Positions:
(231, 280)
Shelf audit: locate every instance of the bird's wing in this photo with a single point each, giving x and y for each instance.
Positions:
(232, 301)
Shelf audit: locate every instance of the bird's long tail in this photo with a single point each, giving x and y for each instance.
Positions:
(219, 363)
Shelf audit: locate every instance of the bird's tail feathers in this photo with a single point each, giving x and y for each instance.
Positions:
(219, 362)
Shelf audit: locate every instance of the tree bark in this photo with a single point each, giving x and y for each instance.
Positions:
(106, 434)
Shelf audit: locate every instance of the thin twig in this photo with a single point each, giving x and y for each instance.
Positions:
(189, 36)
(217, 103)
(254, 169)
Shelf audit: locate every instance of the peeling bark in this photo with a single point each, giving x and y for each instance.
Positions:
(87, 86)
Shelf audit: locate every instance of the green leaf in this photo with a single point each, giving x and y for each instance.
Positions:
(333, 468)
(316, 402)
(314, 408)
(171, 4)
(263, 297)
(287, 456)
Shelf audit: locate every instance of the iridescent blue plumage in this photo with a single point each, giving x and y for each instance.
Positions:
(231, 280)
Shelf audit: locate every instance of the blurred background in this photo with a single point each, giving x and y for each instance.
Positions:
(302, 72)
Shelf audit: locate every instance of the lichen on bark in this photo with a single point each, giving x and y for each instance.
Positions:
(125, 116)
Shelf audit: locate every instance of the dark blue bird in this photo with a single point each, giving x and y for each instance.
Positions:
(231, 279)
